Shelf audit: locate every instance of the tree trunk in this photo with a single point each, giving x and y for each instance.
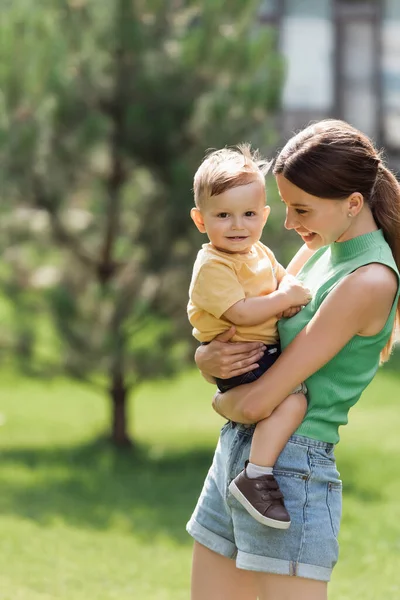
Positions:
(119, 398)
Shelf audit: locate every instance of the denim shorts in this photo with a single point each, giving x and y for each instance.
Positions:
(308, 478)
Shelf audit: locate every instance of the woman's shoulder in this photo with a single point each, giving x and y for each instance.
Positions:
(367, 295)
(373, 278)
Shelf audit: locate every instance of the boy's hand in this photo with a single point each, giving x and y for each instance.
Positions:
(289, 312)
(298, 295)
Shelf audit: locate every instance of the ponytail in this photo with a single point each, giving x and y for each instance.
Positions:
(385, 206)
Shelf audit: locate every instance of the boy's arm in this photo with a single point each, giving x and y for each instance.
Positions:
(215, 288)
(253, 311)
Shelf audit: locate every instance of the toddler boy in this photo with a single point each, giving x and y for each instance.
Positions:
(237, 280)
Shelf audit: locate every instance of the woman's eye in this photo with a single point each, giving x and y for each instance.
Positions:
(249, 213)
(301, 212)
(222, 215)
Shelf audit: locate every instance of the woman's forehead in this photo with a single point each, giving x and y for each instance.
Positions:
(292, 195)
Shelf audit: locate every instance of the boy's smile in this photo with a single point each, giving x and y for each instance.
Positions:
(234, 220)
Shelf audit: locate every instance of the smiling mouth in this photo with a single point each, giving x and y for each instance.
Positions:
(306, 236)
(238, 237)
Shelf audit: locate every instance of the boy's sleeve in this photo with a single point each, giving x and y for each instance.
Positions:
(216, 288)
(279, 271)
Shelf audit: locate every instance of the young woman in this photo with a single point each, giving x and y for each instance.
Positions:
(345, 205)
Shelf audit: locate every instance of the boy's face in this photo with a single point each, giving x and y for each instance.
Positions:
(234, 220)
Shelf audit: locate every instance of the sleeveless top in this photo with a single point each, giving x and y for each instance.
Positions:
(337, 386)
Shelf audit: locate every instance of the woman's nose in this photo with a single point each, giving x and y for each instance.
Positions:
(289, 221)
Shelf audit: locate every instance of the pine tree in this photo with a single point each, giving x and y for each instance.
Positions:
(106, 110)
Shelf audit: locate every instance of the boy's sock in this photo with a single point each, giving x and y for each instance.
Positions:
(253, 471)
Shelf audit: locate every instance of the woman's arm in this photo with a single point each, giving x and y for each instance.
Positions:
(299, 259)
(361, 301)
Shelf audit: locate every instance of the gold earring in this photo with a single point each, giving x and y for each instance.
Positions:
(349, 215)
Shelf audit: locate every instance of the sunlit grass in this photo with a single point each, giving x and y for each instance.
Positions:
(81, 521)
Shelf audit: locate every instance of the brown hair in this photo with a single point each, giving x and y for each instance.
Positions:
(331, 159)
(228, 168)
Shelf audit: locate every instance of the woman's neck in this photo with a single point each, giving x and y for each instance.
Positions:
(361, 224)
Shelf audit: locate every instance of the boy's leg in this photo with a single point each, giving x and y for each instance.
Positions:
(260, 494)
(271, 435)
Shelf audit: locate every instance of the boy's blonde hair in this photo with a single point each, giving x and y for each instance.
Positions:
(228, 168)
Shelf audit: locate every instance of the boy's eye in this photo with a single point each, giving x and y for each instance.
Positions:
(222, 215)
(300, 211)
(249, 213)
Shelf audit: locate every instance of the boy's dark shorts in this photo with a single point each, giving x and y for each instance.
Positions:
(266, 361)
(272, 352)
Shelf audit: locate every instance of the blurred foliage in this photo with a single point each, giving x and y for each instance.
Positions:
(106, 109)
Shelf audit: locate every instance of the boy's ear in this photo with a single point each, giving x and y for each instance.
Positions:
(266, 211)
(198, 219)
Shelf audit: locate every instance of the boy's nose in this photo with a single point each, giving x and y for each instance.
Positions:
(236, 223)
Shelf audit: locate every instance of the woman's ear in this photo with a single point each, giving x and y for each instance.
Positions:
(355, 202)
(198, 219)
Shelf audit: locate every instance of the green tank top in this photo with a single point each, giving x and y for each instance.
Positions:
(337, 386)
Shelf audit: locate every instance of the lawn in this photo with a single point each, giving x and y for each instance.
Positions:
(80, 521)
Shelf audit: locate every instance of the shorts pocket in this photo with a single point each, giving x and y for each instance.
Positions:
(334, 503)
(291, 473)
(321, 456)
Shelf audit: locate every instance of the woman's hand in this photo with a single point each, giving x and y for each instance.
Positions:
(224, 359)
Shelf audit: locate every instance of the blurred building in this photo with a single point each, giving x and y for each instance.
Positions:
(343, 60)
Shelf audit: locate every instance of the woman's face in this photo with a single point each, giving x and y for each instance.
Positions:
(318, 221)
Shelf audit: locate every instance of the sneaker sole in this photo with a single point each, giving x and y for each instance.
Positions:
(234, 490)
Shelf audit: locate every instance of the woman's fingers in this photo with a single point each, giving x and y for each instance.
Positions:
(222, 359)
(245, 348)
(245, 364)
(243, 370)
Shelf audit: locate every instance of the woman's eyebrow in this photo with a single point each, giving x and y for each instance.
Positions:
(296, 204)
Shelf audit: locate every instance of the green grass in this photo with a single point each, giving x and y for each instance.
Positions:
(80, 521)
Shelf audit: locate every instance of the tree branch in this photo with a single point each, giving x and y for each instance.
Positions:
(42, 200)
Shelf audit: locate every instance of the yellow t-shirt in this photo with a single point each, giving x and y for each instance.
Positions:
(219, 280)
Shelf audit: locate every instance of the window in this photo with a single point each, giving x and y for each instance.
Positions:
(391, 74)
(307, 43)
(357, 65)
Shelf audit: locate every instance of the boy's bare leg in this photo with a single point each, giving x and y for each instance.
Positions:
(256, 487)
(271, 434)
